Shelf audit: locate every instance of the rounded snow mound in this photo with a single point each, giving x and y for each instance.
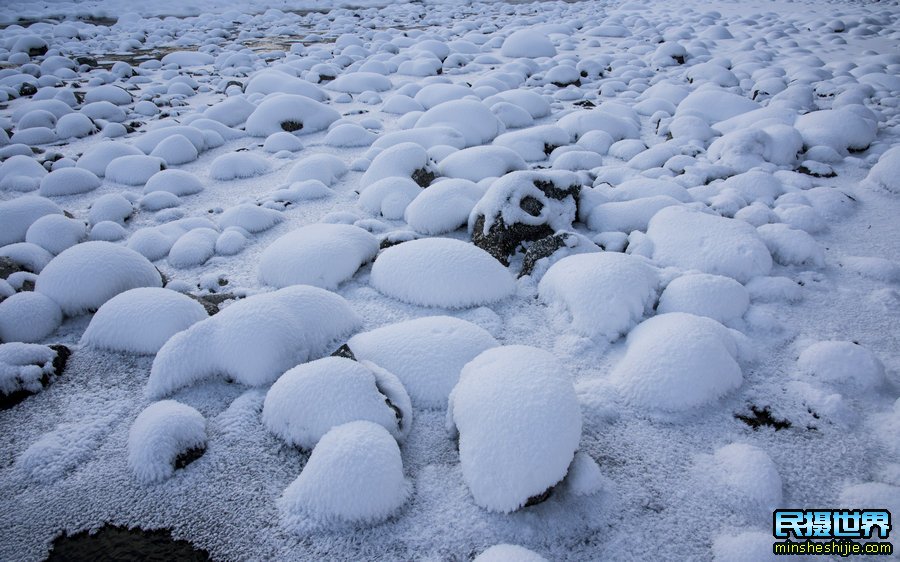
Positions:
(310, 399)
(353, 476)
(605, 294)
(426, 354)
(886, 172)
(322, 255)
(691, 239)
(254, 340)
(17, 215)
(87, 275)
(746, 477)
(509, 553)
(845, 365)
(519, 425)
(677, 361)
(177, 182)
(443, 207)
(68, 181)
(235, 165)
(28, 317)
(721, 298)
(291, 113)
(471, 118)
(527, 43)
(163, 432)
(23, 366)
(56, 233)
(441, 272)
(142, 320)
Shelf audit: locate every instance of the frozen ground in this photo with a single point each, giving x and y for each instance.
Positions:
(687, 216)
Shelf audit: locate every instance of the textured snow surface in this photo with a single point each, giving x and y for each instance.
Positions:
(519, 424)
(161, 432)
(441, 272)
(254, 340)
(142, 320)
(704, 198)
(426, 354)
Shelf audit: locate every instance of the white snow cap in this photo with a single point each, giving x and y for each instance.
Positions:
(845, 366)
(163, 431)
(886, 172)
(17, 215)
(509, 553)
(678, 361)
(441, 272)
(23, 365)
(604, 293)
(519, 425)
(28, 316)
(527, 43)
(691, 239)
(721, 298)
(354, 475)
(87, 275)
(443, 207)
(426, 354)
(142, 320)
(292, 113)
(310, 399)
(322, 255)
(745, 478)
(254, 340)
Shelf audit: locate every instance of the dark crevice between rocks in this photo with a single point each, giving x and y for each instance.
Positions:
(549, 148)
(16, 397)
(212, 301)
(553, 192)
(759, 417)
(423, 177)
(540, 498)
(806, 171)
(187, 457)
(345, 352)
(119, 544)
(531, 206)
(566, 84)
(587, 104)
(291, 126)
(502, 240)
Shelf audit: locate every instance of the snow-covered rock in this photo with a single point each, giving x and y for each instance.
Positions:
(676, 362)
(254, 340)
(28, 317)
(87, 275)
(721, 298)
(527, 43)
(426, 354)
(234, 165)
(163, 432)
(886, 172)
(142, 320)
(291, 113)
(443, 207)
(509, 553)
(471, 118)
(56, 233)
(310, 399)
(602, 294)
(251, 218)
(519, 425)
(323, 255)
(441, 272)
(18, 214)
(354, 476)
(843, 365)
(68, 181)
(177, 182)
(24, 366)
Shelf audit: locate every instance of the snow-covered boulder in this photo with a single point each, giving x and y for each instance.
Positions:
(790, 246)
(519, 425)
(27, 367)
(254, 340)
(426, 354)
(842, 129)
(691, 239)
(527, 43)
(441, 272)
(402, 160)
(17, 215)
(177, 182)
(509, 553)
(87, 275)
(251, 218)
(68, 181)
(721, 298)
(843, 365)
(56, 233)
(389, 197)
(886, 172)
(98, 157)
(479, 162)
(235, 165)
(323, 255)
(133, 169)
(310, 399)
(326, 168)
(471, 118)
(743, 477)
(443, 207)
(676, 362)
(164, 435)
(354, 476)
(523, 207)
(291, 113)
(602, 294)
(142, 320)
(28, 317)
(272, 81)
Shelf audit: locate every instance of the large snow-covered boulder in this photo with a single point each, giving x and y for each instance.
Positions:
(28, 316)
(87, 275)
(27, 367)
(426, 354)
(162, 437)
(354, 476)
(886, 172)
(527, 43)
(441, 272)
(291, 113)
(310, 399)
(323, 255)
(523, 207)
(471, 118)
(602, 294)
(17, 215)
(142, 320)
(254, 340)
(677, 361)
(721, 298)
(443, 207)
(691, 239)
(519, 425)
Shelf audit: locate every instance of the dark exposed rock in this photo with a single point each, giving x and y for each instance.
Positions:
(291, 126)
(27, 89)
(587, 104)
(397, 237)
(119, 544)
(15, 397)
(565, 84)
(759, 417)
(27, 285)
(90, 61)
(8, 267)
(502, 240)
(543, 248)
(187, 457)
(37, 51)
(62, 358)
(344, 351)
(540, 498)
(423, 177)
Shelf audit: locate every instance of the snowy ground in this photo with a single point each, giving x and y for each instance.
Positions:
(721, 181)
